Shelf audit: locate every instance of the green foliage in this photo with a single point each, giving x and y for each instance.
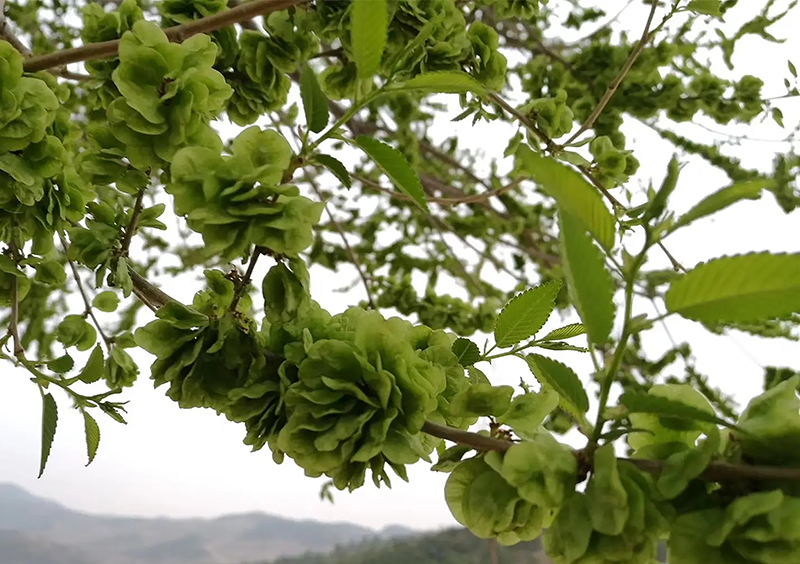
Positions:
(524, 315)
(738, 289)
(98, 165)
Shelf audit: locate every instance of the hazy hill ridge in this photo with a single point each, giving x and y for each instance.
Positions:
(39, 531)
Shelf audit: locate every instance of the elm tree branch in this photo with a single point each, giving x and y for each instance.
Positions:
(714, 472)
(109, 49)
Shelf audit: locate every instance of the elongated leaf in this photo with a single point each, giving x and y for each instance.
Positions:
(315, 104)
(454, 82)
(738, 289)
(525, 314)
(466, 351)
(590, 285)
(566, 332)
(368, 25)
(639, 402)
(572, 193)
(49, 422)
(336, 168)
(92, 431)
(717, 201)
(561, 379)
(395, 166)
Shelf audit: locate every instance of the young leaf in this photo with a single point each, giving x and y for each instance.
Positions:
(94, 368)
(572, 194)
(336, 168)
(525, 314)
(466, 351)
(560, 378)
(92, 431)
(705, 7)
(659, 202)
(560, 346)
(640, 402)
(566, 332)
(106, 301)
(368, 25)
(49, 422)
(750, 190)
(738, 289)
(590, 285)
(454, 82)
(395, 166)
(61, 365)
(315, 104)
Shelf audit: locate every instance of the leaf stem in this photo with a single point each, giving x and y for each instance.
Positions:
(347, 116)
(619, 352)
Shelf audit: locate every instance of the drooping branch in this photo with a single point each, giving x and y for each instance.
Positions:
(714, 472)
(109, 49)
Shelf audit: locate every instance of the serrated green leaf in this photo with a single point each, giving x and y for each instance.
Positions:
(92, 431)
(106, 301)
(315, 104)
(640, 402)
(94, 368)
(590, 285)
(738, 289)
(560, 346)
(705, 7)
(525, 314)
(446, 82)
(395, 166)
(61, 365)
(566, 332)
(466, 351)
(368, 27)
(561, 379)
(572, 194)
(476, 376)
(49, 423)
(750, 190)
(336, 168)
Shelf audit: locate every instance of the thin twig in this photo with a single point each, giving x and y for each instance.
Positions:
(133, 223)
(675, 264)
(178, 33)
(86, 302)
(247, 278)
(350, 253)
(714, 472)
(13, 326)
(7, 34)
(524, 120)
(471, 199)
(612, 88)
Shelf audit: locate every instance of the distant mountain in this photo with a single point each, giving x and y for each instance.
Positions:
(39, 531)
(452, 546)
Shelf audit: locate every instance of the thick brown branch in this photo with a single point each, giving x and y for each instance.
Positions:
(150, 295)
(178, 33)
(714, 472)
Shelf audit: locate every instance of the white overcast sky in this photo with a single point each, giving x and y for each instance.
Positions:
(172, 462)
